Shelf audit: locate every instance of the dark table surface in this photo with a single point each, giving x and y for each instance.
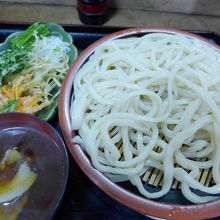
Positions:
(82, 199)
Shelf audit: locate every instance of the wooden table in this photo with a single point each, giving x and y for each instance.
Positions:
(11, 12)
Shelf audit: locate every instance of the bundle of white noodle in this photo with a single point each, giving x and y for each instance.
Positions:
(159, 90)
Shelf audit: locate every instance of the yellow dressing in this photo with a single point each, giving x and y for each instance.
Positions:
(21, 182)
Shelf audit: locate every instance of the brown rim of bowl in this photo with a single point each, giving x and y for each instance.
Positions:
(140, 204)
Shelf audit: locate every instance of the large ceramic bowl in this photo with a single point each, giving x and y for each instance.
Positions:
(170, 207)
(42, 148)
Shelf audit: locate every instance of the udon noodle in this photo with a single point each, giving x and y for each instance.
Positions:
(157, 91)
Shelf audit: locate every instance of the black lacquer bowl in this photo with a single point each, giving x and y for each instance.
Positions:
(39, 141)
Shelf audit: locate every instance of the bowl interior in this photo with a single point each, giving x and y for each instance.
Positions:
(173, 205)
(39, 141)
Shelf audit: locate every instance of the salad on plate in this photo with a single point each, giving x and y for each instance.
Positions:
(33, 65)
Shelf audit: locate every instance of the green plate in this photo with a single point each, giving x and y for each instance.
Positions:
(55, 30)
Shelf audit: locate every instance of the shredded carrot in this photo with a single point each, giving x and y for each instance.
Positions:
(22, 90)
(6, 90)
